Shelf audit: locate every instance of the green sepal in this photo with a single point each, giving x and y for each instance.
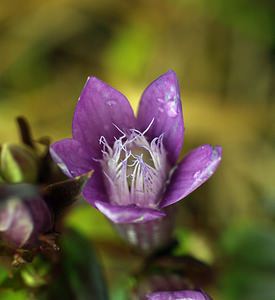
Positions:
(18, 163)
(80, 275)
(62, 194)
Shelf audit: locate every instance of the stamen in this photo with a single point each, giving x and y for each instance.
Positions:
(149, 126)
(135, 170)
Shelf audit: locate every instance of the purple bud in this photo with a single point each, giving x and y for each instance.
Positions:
(164, 281)
(178, 295)
(23, 215)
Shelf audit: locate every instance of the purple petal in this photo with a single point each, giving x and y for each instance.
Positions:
(20, 226)
(94, 189)
(23, 215)
(128, 213)
(71, 157)
(196, 167)
(161, 102)
(41, 215)
(179, 295)
(99, 110)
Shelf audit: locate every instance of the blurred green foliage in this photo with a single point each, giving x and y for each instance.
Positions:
(81, 270)
(250, 273)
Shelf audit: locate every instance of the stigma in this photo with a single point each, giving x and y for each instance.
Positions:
(135, 170)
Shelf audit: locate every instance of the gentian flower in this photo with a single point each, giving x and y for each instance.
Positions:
(136, 174)
(178, 295)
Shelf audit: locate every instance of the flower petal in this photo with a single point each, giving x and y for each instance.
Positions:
(128, 213)
(161, 102)
(196, 167)
(94, 189)
(178, 295)
(71, 157)
(41, 215)
(95, 193)
(22, 225)
(99, 110)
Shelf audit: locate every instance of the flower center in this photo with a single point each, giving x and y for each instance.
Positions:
(135, 170)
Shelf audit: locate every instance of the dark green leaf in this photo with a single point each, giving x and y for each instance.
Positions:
(59, 195)
(80, 276)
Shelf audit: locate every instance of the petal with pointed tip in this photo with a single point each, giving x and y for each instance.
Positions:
(100, 111)
(195, 168)
(71, 157)
(161, 102)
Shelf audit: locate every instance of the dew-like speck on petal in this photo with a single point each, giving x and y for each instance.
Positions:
(172, 88)
(215, 154)
(210, 172)
(160, 100)
(197, 174)
(172, 109)
(111, 102)
(167, 97)
(161, 109)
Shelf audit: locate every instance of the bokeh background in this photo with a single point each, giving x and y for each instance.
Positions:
(224, 55)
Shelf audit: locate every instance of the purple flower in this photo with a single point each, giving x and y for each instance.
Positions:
(135, 159)
(179, 295)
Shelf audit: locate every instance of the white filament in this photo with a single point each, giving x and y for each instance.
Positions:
(135, 170)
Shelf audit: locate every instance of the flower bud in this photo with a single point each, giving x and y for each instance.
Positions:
(23, 215)
(18, 163)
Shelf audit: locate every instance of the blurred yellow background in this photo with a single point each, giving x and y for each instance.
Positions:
(223, 53)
